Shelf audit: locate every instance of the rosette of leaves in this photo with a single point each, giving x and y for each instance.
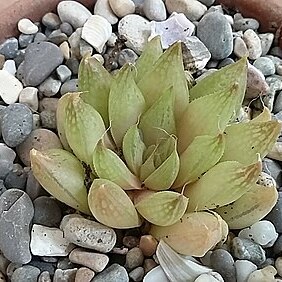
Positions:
(146, 144)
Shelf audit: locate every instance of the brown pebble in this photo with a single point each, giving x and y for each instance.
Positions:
(134, 258)
(130, 241)
(148, 245)
(149, 264)
(84, 274)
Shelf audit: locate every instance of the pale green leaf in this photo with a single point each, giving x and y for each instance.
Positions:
(222, 184)
(108, 165)
(245, 140)
(148, 167)
(126, 103)
(61, 174)
(162, 208)
(133, 149)
(202, 154)
(95, 81)
(111, 206)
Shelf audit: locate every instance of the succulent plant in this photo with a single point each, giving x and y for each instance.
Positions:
(149, 144)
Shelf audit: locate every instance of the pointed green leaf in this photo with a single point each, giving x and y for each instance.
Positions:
(220, 80)
(84, 127)
(133, 149)
(207, 115)
(111, 206)
(166, 72)
(162, 208)
(148, 152)
(108, 165)
(126, 103)
(165, 174)
(148, 167)
(222, 184)
(245, 140)
(60, 118)
(158, 121)
(202, 154)
(62, 175)
(149, 56)
(250, 208)
(95, 81)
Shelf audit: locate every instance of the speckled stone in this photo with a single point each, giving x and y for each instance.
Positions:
(26, 273)
(265, 65)
(113, 273)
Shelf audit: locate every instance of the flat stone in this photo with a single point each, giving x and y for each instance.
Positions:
(9, 48)
(47, 241)
(10, 87)
(41, 59)
(136, 30)
(113, 273)
(103, 8)
(16, 212)
(122, 7)
(26, 26)
(47, 212)
(16, 124)
(266, 40)
(94, 261)
(88, 234)
(73, 13)
(67, 275)
(192, 9)
(40, 139)
(246, 23)
(51, 20)
(29, 97)
(219, 43)
(50, 87)
(265, 65)
(26, 273)
(154, 10)
(253, 44)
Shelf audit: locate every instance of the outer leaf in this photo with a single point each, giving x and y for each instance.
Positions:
(60, 117)
(207, 116)
(108, 165)
(95, 81)
(250, 208)
(245, 140)
(162, 208)
(159, 116)
(111, 206)
(165, 174)
(149, 56)
(220, 80)
(193, 235)
(166, 72)
(62, 175)
(126, 104)
(202, 154)
(84, 127)
(222, 184)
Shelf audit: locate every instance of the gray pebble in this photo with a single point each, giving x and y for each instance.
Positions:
(19, 57)
(85, 49)
(253, 44)
(16, 124)
(247, 249)
(5, 168)
(7, 153)
(114, 273)
(73, 65)
(9, 48)
(16, 212)
(154, 10)
(274, 82)
(278, 103)
(63, 73)
(66, 28)
(277, 247)
(275, 214)
(246, 23)
(276, 51)
(33, 188)
(41, 59)
(51, 20)
(137, 274)
(16, 178)
(266, 40)
(48, 119)
(25, 39)
(11, 268)
(134, 258)
(265, 65)
(69, 86)
(47, 212)
(215, 32)
(39, 37)
(2, 187)
(272, 168)
(223, 263)
(26, 273)
(208, 3)
(44, 277)
(225, 62)
(50, 87)
(67, 275)
(57, 37)
(127, 56)
(3, 263)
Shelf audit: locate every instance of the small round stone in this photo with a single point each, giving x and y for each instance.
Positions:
(25, 273)
(50, 87)
(57, 37)
(265, 65)
(148, 245)
(6, 153)
(243, 269)
(25, 39)
(63, 73)
(66, 28)
(28, 96)
(51, 20)
(127, 56)
(39, 37)
(154, 10)
(246, 23)
(113, 273)
(134, 258)
(64, 275)
(137, 274)
(44, 277)
(69, 86)
(26, 26)
(84, 274)
(253, 44)
(122, 7)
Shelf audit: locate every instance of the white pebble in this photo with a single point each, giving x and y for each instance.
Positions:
(263, 275)
(253, 44)
(136, 30)
(10, 67)
(63, 73)
(103, 8)
(10, 87)
(28, 96)
(210, 277)
(243, 269)
(122, 7)
(65, 48)
(154, 10)
(99, 58)
(47, 241)
(96, 31)
(240, 48)
(262, 232)
(26, 26)
(112, 40)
